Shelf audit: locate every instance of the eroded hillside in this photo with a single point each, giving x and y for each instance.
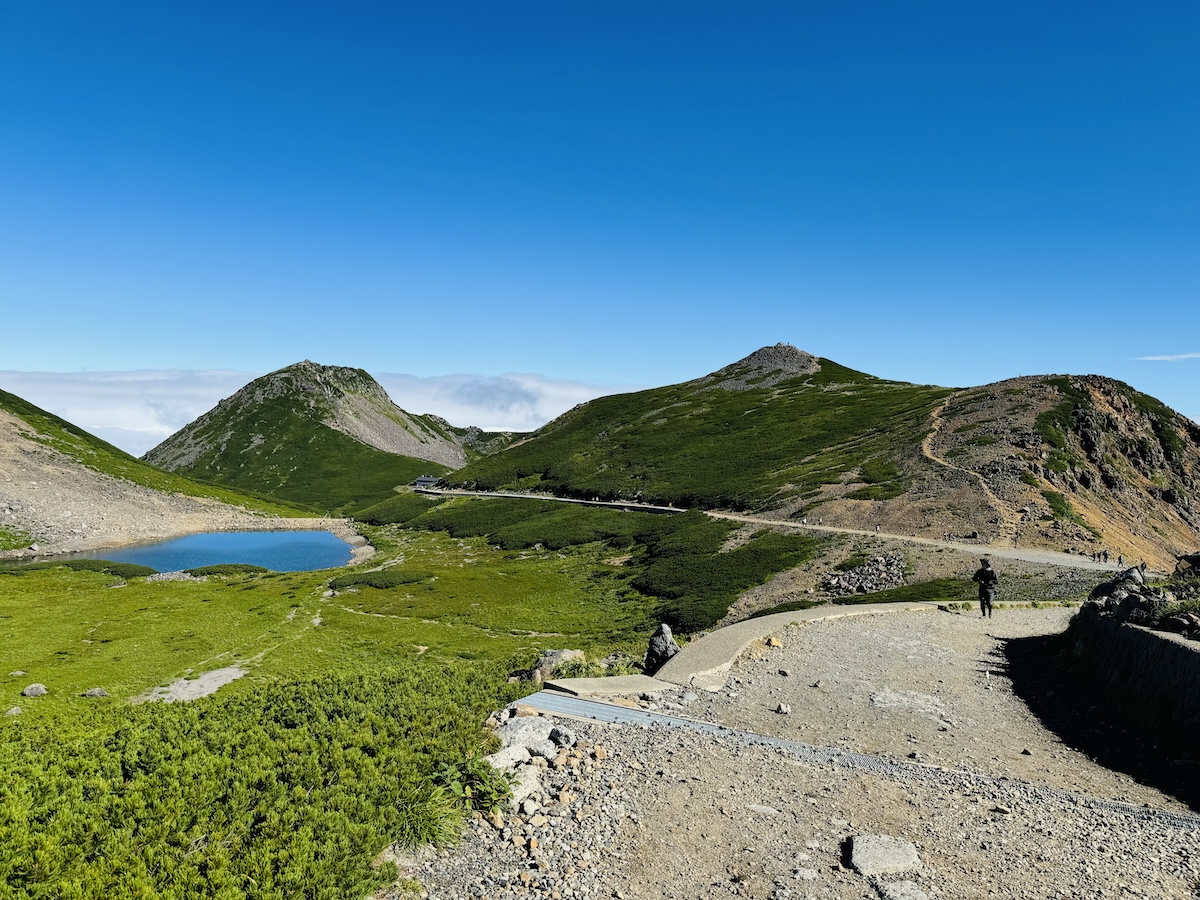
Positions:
(1082, 463)
(63, 489)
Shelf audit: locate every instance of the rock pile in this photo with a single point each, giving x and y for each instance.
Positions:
(876, 574)
(1128, 598)
(559, 834)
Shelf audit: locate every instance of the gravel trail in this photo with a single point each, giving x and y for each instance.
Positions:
(995, 804)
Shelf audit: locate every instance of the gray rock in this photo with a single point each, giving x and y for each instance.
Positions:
(552, 660)
(15, 711)
(527, 782)
(95, 692)
(34, 690)
(901, 890)
(17, 674)
(783, 709)
(508, 757)
(561, 736)
(530, 732)
(662, 647)
(882, 854)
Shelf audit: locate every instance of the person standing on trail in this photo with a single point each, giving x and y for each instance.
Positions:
(986, 578)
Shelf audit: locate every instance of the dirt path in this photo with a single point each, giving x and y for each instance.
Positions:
(995, 804)
(1045, 557)
(1008, 521)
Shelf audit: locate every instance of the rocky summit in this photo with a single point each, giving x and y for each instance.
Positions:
(326, 437)
(347, 400)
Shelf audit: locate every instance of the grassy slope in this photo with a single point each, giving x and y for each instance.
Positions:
(285, 453)
(296, 775)
(714, 448)
(103, 457)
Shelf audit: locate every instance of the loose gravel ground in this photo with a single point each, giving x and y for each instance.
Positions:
(995, 804)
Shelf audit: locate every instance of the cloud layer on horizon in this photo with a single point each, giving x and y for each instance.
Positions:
(1169, 357)
(138, 410)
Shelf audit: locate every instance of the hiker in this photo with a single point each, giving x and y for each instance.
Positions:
(1120, 561)
(986, 579)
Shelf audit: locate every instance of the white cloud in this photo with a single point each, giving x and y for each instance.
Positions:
(133, 410)
(137, 410)
(1170, 357)
(512, 402)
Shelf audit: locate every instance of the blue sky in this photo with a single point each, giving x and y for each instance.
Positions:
(572, 199)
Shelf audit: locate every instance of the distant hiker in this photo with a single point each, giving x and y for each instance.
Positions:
(1120, 561)
(986, 579)
(877, 529)
(1105, 555)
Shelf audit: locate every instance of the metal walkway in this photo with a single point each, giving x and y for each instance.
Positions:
(558, 704)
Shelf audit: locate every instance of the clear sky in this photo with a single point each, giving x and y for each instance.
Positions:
(479, 199)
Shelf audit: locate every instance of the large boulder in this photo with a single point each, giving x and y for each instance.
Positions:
(662, 647)
(1188, 564)
(34, 690)
(550, 661)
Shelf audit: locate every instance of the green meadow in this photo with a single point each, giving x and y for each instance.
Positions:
(361, 706)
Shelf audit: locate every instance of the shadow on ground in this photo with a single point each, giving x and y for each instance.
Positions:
(1080, 712)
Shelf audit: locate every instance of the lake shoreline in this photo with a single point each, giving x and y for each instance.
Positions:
(361, 549)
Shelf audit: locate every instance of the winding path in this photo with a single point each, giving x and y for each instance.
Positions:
(1028, 554)
(1008, 523)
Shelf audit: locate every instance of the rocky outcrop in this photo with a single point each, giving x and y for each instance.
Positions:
(1127, 597)
(764, 367)
(875, 574)
(661, 648)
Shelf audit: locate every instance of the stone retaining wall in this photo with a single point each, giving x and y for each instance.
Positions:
(1154, 675)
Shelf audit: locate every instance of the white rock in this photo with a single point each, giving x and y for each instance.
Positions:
(882, 854)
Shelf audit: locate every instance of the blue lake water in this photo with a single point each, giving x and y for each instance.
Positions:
(280, 551)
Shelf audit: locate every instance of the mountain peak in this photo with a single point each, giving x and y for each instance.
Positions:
(765, 367)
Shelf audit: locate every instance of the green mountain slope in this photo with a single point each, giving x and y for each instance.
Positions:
(1074, 463)
(774, 426)
(326, 437)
